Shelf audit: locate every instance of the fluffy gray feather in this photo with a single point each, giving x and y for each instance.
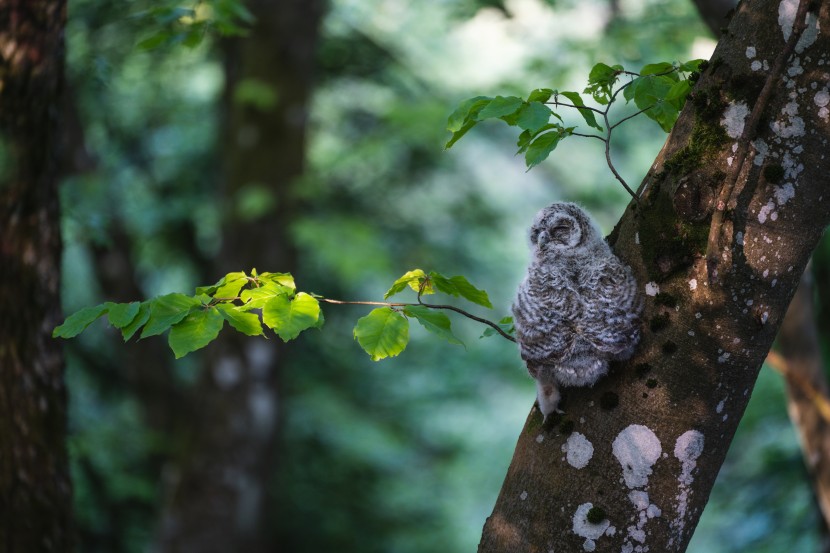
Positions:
(578, 307)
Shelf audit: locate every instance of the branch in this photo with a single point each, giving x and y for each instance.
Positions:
(491, 324)
(712, 246)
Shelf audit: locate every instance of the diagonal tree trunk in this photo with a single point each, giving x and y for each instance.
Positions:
(643, 447)
(35, 492)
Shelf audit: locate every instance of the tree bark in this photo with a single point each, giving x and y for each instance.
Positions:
(35, 491)
(646, 443)
(220, 500)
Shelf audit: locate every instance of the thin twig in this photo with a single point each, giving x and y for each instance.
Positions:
(566, 105)
(712, 245)
(491, 324)
(587, 135)
(621, 121)
(610, 163)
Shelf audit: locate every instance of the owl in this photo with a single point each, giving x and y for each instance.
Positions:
(577, 308)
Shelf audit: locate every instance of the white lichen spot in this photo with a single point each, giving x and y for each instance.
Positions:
(652, 289)
(723, 357)
(540, 438)
(756, 65)
(734, 118)
(764, 212)
(810, 33)
(786, 16)
(795, 128)
(579, 450)
(693, 284)
(637, 238)
(739, 238)
(687, 449)
(588, 530)
(761, 149)
(784, 193)
(636, 448)
(822, 98)
(719, 408)
(750, 52)
(698, 315)
(523, 496)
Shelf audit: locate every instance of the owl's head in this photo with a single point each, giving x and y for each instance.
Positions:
(561, 228)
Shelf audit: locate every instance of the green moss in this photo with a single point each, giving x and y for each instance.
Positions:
(773, 173)
(708, 136)
(669, 243)
(595, 515)
(609, 400)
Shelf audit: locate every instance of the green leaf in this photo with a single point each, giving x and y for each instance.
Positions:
(533, 116)
(586, 114)
(382, 333)
(243, 321)
(541, 147)
(460, 286)
(505, 323)
(199, 328)
(155, 41)
(540, 95)
(649, 93)
(232, 283)
(456, 136)
(122, 314)
(256, 298)
(290, 317)
(500, 106)
(678, 93)
(165, 311)
(413, 279)
(657, 68)
(466, 111)
(691, 65)
(283, 279)
(601, 79)
(78, 321)
(434, 321)
(129, 330)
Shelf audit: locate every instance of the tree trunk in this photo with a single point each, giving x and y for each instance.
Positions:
(643, 447)
(35, 492)
(220, 501)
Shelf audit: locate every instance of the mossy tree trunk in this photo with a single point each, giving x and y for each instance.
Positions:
(220, 497)
(35, 492)
(630, 465)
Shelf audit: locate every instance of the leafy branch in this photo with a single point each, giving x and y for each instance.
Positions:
(247, 302)
(659, 91)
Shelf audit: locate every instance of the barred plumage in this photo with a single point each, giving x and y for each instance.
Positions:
(577, 308)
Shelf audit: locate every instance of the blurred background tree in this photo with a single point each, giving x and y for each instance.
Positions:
(311, 142)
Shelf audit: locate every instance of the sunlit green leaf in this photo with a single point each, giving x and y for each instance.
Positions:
(138, 321)
(122, 314)
(283, 279)
(459, 134)
(382, 333)
(601, 80)
(434, 321)
(290, 317)
(231, 285)
(657, 68)
(678, 93)
(256, 298)
(691, 65)
(245, 322)
(165, 311)
(413, 279)
(78, 321)
(199, 328)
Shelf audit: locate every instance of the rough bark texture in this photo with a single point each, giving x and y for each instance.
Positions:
(35, 493)
(713, 13)
(220, 499)
(808, 396)
(645, 444)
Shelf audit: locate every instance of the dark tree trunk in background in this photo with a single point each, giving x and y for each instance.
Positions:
(35, 491)
(646, 443)
(219, 503)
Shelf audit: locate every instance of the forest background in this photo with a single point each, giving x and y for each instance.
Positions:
(170, 185)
